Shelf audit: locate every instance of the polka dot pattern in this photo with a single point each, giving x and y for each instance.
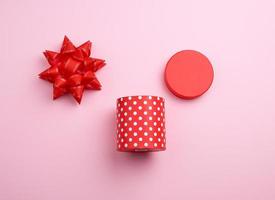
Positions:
(141, 123)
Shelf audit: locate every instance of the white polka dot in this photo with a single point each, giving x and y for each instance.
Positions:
(161, 124)
(150, 107)
(130, 108)
(125, 114)
(155, 123)
(150, 128)
(135, 113)
(150, 118)
(140, 139)
(118, 125)
(161, 104)
(159, 139)
(119, 136)
(151, 139)
(122, 140)
(135, 103)
(158, 98)
(155, 103)
(130, 118)
(121, 99)
(139, 97)
(139, 118)
(121, 119)
(140, 108)
(150, 97)
(154, 113)
(145, 123)
(162, 135)
(155, 134)
(130, 129)
(119, 146)
(121, 130)
(125, 103)
(145, 113)
(155, 144)
(158, 118)
(129, 98)
(118, 105)
(125, 134)
(135, 123)
(125, 124)
(135, 134)
(121, 109)
(145, 102)
(130, 139)
(145, 134)
(158, 108)
(146, 144)
(125, 145)
(158, 129)
(140, 128)
(161, 114)
(135, 144)
(118, 115)
(162, 145)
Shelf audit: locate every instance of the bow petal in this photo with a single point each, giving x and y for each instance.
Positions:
(75, 80)
(98, 64)
(93, 85)
(88, 77)
(67, 46)
(77, 92)
(50, 74)
(58, 91)
(60, 82)
(51, 56)
(79, 55)
(86, 48)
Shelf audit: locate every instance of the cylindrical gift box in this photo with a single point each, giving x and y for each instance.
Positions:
(140, 124)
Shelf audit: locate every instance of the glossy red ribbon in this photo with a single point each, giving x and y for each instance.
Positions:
(72, 70)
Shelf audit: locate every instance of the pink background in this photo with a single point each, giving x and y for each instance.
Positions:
(219, 146)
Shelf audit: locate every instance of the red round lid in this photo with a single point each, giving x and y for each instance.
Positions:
(188, 74)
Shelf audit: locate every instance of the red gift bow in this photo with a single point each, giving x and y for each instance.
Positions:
(72, 70)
